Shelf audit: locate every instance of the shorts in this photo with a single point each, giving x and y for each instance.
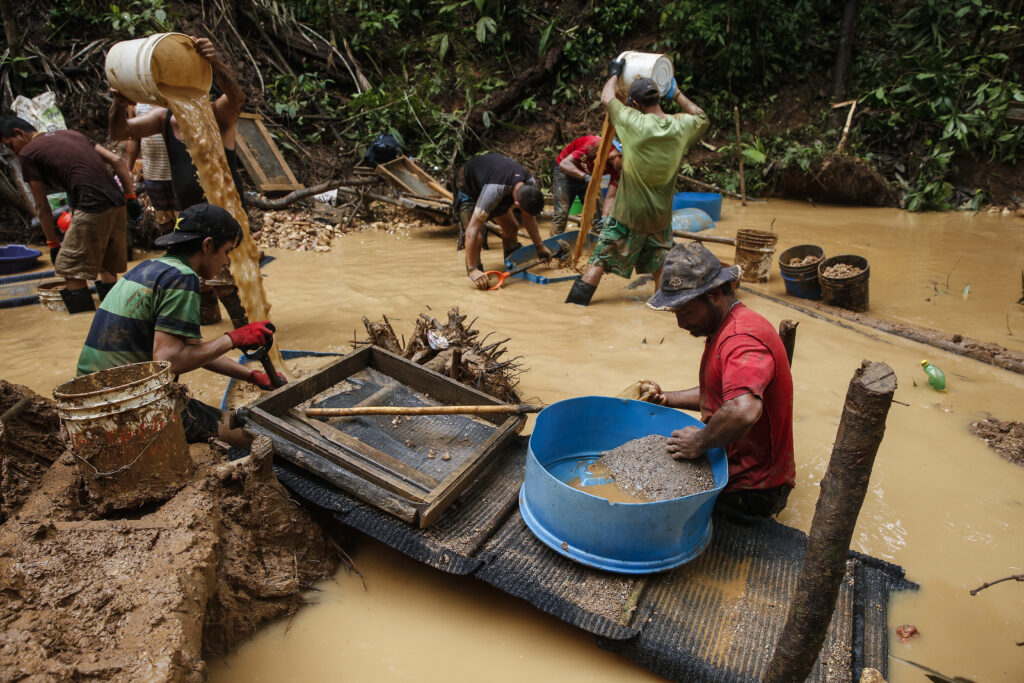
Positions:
(161, 194)
(619, 250)
(94, 242)
(753, 502)
(200, 421)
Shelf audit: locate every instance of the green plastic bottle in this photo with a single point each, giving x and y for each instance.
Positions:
(936, 377)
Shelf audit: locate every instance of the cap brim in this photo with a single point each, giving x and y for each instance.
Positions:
(672, 301)
(177, 237)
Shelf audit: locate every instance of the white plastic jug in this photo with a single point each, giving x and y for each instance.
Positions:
(645, 65)
(141, 68)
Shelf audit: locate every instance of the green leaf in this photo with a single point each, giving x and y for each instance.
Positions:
(967, 290)
(487, 119)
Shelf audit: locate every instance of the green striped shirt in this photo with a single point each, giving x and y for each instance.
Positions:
(159, 294)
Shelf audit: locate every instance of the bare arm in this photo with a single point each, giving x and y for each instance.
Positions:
(121, 127)
(228, 106)
(43, 211)
(687, 399)
(131, 153)
(187, 355)
(686, 105)
(730, 423)
(223, 365)
(572, 168)
(120, 168)
(608, 92)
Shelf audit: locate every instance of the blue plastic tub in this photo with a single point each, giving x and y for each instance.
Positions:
(16, 258)
(628, 538)
(529, 252)
(802, 288)
(691, 220)
(709, 202)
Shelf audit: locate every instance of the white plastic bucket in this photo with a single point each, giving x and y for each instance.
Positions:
(143, 67)
(124, 427)
(646, 65)
(50, 298)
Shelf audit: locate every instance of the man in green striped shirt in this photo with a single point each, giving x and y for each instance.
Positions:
(152, 313)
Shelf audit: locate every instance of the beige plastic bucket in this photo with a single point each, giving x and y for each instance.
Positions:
(754, 251)
(124, 428)
(645, 65)
(144, 67)
(50, 298)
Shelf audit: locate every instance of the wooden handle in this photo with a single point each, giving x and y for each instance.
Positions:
(703, 238)
(421, 410)
(593, 189)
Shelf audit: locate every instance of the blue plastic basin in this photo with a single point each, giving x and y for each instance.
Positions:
(802, 287)
(709, 202)
(529, 252)
(16, 258)
(628, 538)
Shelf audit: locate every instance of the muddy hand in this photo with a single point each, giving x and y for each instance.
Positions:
(684, 444)
(544, 254)
(479, 278)
(205, 48)
(120, 99)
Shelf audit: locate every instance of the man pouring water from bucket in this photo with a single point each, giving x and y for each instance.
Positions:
(152, 313)
(745, 394)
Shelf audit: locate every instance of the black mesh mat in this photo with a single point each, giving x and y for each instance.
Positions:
(451, 544)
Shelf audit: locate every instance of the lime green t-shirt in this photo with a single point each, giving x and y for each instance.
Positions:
(652, 150)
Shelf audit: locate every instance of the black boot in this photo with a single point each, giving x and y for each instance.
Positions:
(102, 288)
(581, 293)
(78, 300)
(236, 311)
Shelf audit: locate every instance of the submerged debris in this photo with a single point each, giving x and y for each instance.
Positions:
(1005, 437)
(474, 362)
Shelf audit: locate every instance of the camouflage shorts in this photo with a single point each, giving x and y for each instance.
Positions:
(619, 250)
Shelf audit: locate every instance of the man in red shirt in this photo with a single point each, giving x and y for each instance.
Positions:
(573, 168)
(745, 394)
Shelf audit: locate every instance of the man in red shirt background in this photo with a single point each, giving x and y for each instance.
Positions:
(745, 394)
(573, 168)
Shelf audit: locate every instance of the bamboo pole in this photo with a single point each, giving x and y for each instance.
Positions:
(587, 217)
(422, 410)
(703, 238)
(739, 148)
(828, 544)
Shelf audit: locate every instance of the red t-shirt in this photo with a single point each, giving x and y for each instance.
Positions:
(746, 355)
(584, 151)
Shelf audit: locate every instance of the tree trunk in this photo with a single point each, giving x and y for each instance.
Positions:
(828, 544)
(292, 197)
(844, 56)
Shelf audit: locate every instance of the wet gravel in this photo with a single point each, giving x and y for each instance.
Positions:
(644, 468)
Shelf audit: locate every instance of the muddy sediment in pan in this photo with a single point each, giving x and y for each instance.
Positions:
(148, 595)
(643, 468)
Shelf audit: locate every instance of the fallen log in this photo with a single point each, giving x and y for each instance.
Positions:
(828, 544)
(986, 352)
(703, 238)
(292, 197)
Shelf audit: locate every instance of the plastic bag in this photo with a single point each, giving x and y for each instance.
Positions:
(41, 111)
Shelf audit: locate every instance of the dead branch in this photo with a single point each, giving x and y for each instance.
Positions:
(1015, 577)
(292, 197)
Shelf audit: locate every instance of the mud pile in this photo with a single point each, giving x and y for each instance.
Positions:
(29, 443)
(150, 594)
(1005, 437)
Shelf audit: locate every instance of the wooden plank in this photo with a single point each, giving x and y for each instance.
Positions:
(371, 454)
(261, 157)
(304, 435)
(252, 166)
(348, 482)
(294, 393)
(277, 154)
(457, 482)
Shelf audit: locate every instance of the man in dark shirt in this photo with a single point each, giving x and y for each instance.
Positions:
(490, 185)
(95, 243)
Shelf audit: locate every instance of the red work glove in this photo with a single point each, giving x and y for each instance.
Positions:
(252, 335)
(262, 379)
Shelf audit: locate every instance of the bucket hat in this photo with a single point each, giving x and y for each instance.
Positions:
(644, 91)
(689, 271)
(200, 221)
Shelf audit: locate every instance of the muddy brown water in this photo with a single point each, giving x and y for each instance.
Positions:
(941, 503)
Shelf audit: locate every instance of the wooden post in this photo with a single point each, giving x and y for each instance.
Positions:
(842, 493)
(787, 330)
(587, 216)
(739, 148)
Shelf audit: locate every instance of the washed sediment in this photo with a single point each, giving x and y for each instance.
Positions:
(1003, 436)
(151, 594)
(643, 468)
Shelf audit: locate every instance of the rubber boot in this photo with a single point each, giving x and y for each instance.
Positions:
(581, 293)
(209, 308)
(78, 300)
(236, 311)
(102, 288)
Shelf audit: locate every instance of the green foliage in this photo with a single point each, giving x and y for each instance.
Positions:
(292, 96)
(140, 16)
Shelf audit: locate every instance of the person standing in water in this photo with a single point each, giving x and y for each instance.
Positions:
(638, 232)
(187, 190)
(96, 242)
(745, 392)
(571, 177)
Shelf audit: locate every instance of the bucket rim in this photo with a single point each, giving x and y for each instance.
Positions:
(163, 367)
